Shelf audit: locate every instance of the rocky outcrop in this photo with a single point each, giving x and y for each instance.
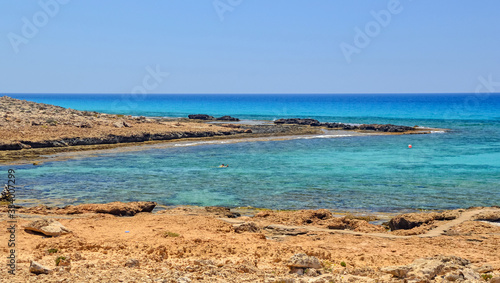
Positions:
(412, 220)
(388, 128)
(114, 208)
(298, 121)
(201, 117)
(228, 118)
(48, 227)
(114, 139)
(440, 269)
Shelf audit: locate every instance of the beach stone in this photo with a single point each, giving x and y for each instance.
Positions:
(48, 227)
(246, 227)
(470, 275)
(495, 279)
(118, 124)
(132, 263)
(302, 260)
(37, 268)
(484, 268)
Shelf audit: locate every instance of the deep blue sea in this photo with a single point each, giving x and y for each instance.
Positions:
(458, 168)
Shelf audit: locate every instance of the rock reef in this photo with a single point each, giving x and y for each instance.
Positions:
(388, 128)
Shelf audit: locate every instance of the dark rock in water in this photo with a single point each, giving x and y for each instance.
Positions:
(389, 128)
(227, 118)
(385, 128)
(298, 121)
(201, 117)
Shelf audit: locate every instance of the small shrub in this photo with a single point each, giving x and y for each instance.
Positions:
(59, 258)
(167, 234)
(343, 264)
(486, 277)
(52, 251)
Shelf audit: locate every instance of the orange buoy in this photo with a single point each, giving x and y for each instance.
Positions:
(409, 146)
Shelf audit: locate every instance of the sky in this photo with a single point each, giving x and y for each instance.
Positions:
(248, 46)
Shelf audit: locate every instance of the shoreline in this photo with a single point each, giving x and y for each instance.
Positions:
(31, 130)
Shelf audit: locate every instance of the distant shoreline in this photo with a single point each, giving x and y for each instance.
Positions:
(31, 130)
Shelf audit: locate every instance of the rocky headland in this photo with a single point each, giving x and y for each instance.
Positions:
(29, 129)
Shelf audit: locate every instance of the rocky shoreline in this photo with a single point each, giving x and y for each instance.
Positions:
(35, 129)
(217, 244)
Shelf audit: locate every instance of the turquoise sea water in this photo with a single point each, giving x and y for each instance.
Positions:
(459, 168)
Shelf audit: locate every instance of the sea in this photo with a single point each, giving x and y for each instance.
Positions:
(456, 168)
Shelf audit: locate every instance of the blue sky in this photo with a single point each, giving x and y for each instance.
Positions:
(248, 46)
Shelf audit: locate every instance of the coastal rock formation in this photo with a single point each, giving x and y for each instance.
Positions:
(388, 128)
(114, 208)
(48, 227)
(201, 117)
(412, 220)
(228, 118)
(298, 121)
(26, 124)
(320, 217)
(208, 250)
(441, 269)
